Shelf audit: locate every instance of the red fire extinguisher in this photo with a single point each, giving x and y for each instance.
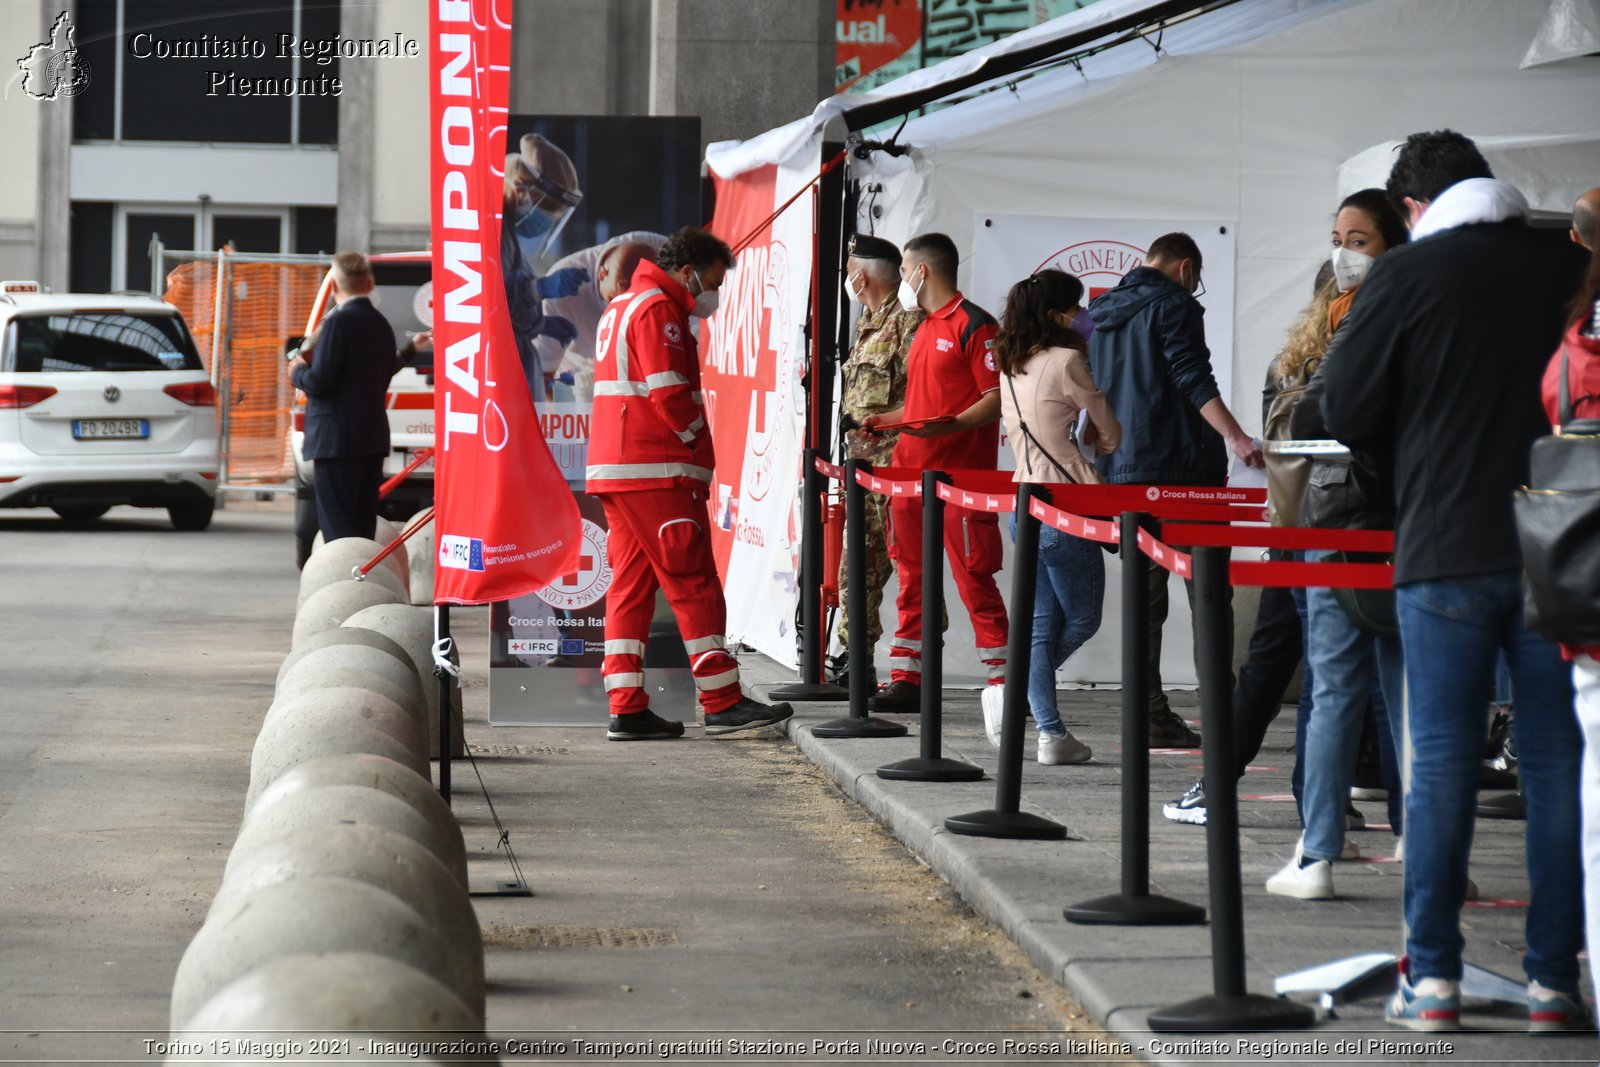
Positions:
(832, 549)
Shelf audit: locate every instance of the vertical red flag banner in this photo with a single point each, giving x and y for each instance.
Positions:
(506, 523)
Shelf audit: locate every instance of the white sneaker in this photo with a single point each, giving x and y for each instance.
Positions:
(993, 700)
(1348, 851)
(1313, 882)
(1058, 749)
(1400, 849)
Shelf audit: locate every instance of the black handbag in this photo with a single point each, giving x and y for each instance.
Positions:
(1558, 523)
(1372, 611)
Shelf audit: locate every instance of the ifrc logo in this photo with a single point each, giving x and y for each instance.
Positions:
(589, 582)
(536, 646)
(461, 553)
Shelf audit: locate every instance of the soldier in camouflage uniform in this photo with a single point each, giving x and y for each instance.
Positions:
(874, 382)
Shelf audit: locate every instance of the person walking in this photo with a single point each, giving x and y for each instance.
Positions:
(1050, 403)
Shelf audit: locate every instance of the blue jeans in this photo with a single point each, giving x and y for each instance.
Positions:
(1067, 599)
(1342, 659)
(1451, 631)
(1302, 711)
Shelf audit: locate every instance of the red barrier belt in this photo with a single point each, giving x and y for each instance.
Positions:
(977, 500)
(829, 470)
(1289, 537)
(1207, 512)
(1178, 563)
(1313, 575)
(1104, 531)
(887, 486)
(985, 481)
(422, 456)
(418, 521)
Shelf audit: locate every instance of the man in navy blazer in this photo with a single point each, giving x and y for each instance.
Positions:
(346, 378)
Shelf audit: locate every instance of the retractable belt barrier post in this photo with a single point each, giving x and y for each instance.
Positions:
(931, 765)
(812, 640)
(1135, 905)
(1229, 1006)
(1006, 819)
(858, 723)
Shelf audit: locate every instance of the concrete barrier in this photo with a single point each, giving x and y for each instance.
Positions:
(331, 605)
(303, 916)
(335, 563)
(332, 991)
(334, 805)
(391, 861)
(349, 635)
(380, 774)
(422, 559)
(312, 679)
(386, 532)
(334, 738)
(311, 711)
(398, 675)
(412, 629)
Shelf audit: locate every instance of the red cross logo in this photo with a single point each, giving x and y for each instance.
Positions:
(585, 563)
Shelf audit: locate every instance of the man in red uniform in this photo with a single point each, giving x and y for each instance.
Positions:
(650, 462)
(950, 377)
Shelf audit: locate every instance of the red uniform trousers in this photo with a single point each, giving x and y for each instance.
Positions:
(658, 539)
(973, 550)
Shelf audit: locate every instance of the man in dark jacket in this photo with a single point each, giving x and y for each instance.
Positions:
(1437, 376)
(345, 382)
(1149, 355)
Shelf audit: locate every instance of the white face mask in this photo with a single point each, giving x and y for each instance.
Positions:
(1350, 268)
(908, 296)
(706, 300)
(850, 289)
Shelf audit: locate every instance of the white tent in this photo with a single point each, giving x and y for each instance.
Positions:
(1254, 116)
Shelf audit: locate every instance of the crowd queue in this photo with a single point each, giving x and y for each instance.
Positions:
(1445, 334)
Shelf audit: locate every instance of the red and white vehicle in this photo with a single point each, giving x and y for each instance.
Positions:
(403, 291)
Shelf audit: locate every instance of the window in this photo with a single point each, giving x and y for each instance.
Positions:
(153, 61)
(99, 341)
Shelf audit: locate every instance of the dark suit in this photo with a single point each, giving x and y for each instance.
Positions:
(347, 426)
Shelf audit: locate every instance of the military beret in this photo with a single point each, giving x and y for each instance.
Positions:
(866, 246)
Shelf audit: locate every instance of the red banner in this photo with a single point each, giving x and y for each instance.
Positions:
(507, 524)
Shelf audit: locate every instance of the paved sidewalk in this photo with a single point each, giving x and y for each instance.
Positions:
(1120, 974)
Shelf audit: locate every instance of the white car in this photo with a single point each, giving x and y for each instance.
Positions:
(103, 401)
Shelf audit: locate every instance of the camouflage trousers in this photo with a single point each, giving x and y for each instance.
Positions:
(879, 570)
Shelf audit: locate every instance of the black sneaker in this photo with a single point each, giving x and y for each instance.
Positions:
(746, 715)
(1169, 731)
(1189, 808)
(643, 725)
(897, 698)
(841, 673)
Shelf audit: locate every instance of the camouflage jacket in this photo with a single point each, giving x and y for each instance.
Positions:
(875, 374)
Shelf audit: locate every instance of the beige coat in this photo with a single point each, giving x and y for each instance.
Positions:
(1055, 387)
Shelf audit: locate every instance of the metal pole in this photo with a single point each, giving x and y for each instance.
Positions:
(1230, 1006)
(931, 766)
(812, 639)
(1007, 819)
(446, 701)
(858, 723)
(1134, 905)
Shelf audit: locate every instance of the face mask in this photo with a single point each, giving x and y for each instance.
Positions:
(532, 225)
(1350, 268)
(908, 296)
(851, 291)
(706, 300)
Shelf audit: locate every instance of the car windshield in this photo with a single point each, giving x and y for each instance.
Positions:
(99, 341)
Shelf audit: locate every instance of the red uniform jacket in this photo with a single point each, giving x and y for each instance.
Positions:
(648, 429)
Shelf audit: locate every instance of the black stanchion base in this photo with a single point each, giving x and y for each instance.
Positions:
(865, 726)
(1147, 910)
(808, 691)
(1247, 1011)
(1016, 825)
(931, 770)
(1508, 806)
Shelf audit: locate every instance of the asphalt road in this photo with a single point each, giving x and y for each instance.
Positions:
(702, 885)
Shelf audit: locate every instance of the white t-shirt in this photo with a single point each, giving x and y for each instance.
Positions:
(585, 307)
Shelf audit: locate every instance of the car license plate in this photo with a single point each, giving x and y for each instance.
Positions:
(110, 429)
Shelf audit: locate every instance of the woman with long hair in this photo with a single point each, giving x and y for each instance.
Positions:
(1342, 655)
(1050, 404)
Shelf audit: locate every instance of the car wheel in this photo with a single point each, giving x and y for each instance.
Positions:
(192, 514)
(79, 514)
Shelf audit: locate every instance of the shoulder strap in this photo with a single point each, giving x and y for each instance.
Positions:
(1022, 425)
(1564, 393)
